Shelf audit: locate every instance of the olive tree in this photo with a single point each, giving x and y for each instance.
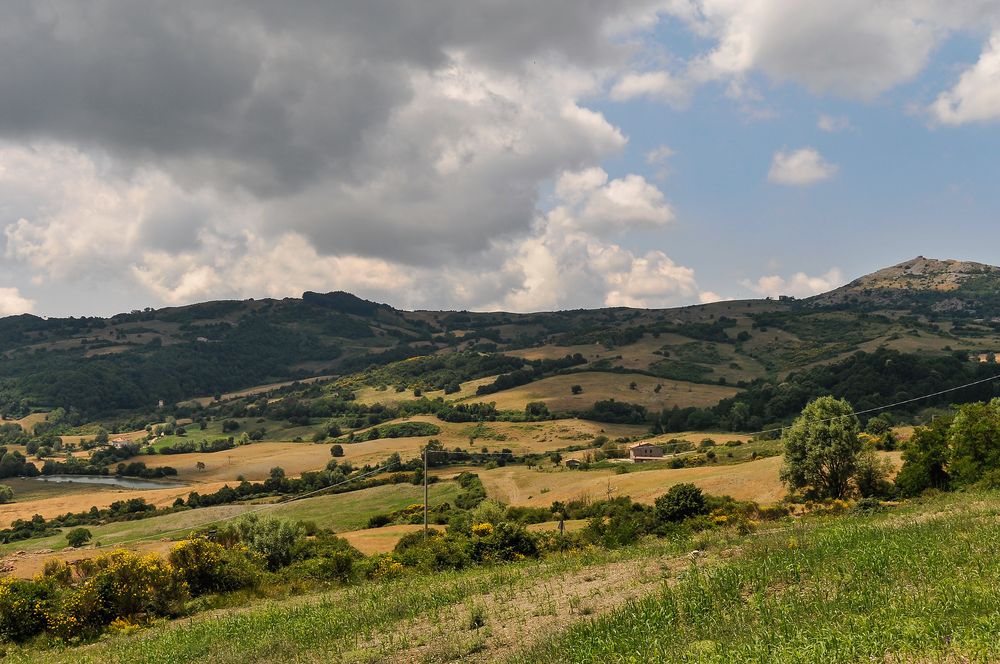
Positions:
(822, 448)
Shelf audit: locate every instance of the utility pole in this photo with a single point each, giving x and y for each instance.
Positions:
(425, 492)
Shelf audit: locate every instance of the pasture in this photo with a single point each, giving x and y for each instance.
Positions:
(341, 512)
(557, 394)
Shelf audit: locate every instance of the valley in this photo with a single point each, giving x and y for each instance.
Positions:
(527, 421)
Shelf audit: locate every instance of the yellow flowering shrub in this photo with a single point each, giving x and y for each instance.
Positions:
(123, 584)
(386, 567)
(22, 608)
(482, 529)
(210, 567)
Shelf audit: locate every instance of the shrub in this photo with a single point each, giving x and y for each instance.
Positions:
(508, 541)
(210, 567)
(680, 502)
(379, 520)
(338, 566)
(337, 450)
(6, 494)
(78, 537)
(275, 540)
(871, 475)
(435, 553)
(22, 608)
(384, 567)
(120, 584)
(489, 511)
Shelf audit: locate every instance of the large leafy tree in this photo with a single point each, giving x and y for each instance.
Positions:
(822, 448)
(925, 459)
(974, 440)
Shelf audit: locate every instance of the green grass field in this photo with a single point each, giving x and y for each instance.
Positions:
(918, 586)
(920, 583)
(340, 512)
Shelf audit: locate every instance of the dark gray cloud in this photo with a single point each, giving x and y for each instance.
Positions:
(212, 149)
(335, 117)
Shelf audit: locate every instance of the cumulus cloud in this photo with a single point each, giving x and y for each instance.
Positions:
(12, 302)
(853, 48)
(976, 95)
(568, 260)
(799, 284)
(849, 48)
(800, 167)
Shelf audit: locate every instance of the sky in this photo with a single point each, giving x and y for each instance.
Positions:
(484, 155)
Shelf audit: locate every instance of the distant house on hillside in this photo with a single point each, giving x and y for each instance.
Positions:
(645, 452)
(573, 463)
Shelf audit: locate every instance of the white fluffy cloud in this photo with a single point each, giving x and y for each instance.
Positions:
(799, 284)
(657, 85)
(12, 302)
(853, 48)
(800, 167)
(567, 261)
(976, 95)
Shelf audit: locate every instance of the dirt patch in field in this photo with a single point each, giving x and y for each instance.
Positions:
(379, 540)
(492, 627)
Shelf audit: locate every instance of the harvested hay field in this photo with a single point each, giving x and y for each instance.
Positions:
(556, 392)
(259, 389)
(379, 540)
(371, 395)
(75, 500)
(383, 540)
(254, 462)
(518, 485)
(539, 487)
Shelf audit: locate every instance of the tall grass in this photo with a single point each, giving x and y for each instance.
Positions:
(363, 623)
(912, 587)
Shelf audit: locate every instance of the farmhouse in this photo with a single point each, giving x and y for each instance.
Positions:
(573, 463)
(645, 452)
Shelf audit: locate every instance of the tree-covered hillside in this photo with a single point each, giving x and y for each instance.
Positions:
(132, 361)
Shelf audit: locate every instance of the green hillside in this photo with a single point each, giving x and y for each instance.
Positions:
(129, 363)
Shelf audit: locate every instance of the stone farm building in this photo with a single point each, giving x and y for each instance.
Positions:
(645, 452)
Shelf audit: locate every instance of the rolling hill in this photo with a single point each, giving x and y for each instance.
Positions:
(131, 362)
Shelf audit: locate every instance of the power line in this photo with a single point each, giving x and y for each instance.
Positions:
(885, 407)
(504, 454)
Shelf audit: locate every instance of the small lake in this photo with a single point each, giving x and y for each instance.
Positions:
(110, 480)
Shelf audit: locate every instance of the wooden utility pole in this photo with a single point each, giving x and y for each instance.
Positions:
(425, 493)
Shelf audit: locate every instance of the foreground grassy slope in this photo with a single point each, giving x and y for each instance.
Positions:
(918, 584)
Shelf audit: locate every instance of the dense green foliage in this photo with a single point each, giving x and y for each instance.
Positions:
(867, 380)
(681, 501)
(615, 412)
(954, 452)
(822, 448)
